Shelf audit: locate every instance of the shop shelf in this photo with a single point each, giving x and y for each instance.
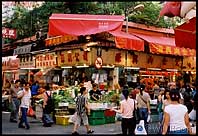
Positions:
(62, 120)
(110, 119)
(96, 121)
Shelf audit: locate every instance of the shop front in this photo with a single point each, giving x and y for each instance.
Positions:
(48, 71)
(10, 68)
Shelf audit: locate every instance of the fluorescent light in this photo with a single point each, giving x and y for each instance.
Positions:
(28, 68)
(174, 70)
(34, 52)
(154, 68)
(69, 51)
(132, 68)
(108, 66)
(153, 75)
(83, 66)
(67, 67)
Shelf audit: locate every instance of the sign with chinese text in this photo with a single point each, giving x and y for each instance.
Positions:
(27, 62)
(59, 39)
(10, 63)
(143, 60)
(160, 49)
(73, 58)
(9, 33)
(47, 60)
(189, 63)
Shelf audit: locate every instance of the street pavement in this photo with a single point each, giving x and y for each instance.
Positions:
(37, 128)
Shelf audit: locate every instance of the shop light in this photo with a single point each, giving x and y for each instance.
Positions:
(35, 52)
(154, 68)
(83, 66)
(132, 68)
(173, 70)
(108, 66)
(91, 43)
(69, 51)
(153, 75)
(67, 67)
(28, 68)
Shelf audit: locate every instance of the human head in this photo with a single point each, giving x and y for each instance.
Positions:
(125, 92)
(17, 83)
(167, 93)
(174, 95)
(47, 87)
(83, 90)
(141, 87)
(26, 85)
(94, 86)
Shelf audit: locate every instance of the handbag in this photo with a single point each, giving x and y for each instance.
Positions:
(30, 112)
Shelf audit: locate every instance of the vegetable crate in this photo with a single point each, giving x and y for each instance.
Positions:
(110, 119)
(96, 121)
(62, 120)
(97, 114)
(109, 113)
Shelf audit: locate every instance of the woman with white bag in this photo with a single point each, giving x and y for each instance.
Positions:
(127, 107)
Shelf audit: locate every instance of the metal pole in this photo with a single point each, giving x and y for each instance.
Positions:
(127, 19)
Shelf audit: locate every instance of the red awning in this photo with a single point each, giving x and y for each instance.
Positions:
(165, 45)
(83, 24)
(185, 34)
(127, 41)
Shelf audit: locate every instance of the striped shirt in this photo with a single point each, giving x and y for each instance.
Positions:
(80, 105)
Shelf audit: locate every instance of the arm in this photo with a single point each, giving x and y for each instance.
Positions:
(166, 122)
(187, 122)
(120, 110)
(148, 105)
(87, 106)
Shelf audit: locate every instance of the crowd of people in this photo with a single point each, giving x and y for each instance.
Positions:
(170, 98)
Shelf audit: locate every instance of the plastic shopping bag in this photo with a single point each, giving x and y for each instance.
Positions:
(149, 118)
(30, 112)
(140, 129)
(73, 118)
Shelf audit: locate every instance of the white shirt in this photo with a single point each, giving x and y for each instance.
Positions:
(176, 113)
(25, 100)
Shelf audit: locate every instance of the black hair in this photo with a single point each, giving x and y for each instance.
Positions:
(141, 87)
(47, 87)
(17, 81)
(94, 85)
(174, 95)
(82, 89)
(166, 90)
(125, 92)
(25, 84)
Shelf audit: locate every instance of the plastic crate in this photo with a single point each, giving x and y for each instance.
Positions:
(97, 114)
(109, 113)
(96, 121)
(62, 120)
(110, 119)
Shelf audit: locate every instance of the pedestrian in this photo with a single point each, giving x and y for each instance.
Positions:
(82, 109)
(127, 106)
(176, 116)
(95, 93)
(24, 106)
(143, 102)
(48, 107)
(14, 101)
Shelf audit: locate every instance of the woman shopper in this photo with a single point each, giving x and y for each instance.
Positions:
(127, 107)
(143, 100)
(25, 103)
(176, 116)
(82, 109)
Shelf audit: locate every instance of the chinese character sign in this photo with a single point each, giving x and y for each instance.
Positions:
(9, 33)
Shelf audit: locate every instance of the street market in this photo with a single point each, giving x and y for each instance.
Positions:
(114, 59)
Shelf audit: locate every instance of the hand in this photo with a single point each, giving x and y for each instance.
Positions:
(149, 112)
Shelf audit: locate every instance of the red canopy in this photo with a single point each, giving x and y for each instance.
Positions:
(76, 25)
(127, 41)
(82, 24)
(185, 34)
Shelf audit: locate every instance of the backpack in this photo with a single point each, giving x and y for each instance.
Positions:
(50, 104)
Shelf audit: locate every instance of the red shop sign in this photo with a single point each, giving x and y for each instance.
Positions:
(9, 33)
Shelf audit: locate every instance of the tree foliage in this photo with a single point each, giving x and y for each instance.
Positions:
(28, 22)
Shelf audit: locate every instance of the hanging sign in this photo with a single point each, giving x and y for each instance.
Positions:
(98, 62)
(9, 33)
